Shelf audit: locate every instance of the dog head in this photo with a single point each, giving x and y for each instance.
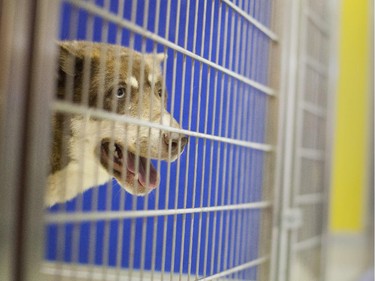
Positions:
(123, 81)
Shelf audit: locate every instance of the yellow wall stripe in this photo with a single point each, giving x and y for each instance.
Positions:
(350, 146)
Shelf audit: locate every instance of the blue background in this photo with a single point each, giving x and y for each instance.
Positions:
(208, 172)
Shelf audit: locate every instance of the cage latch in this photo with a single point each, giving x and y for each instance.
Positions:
(293, 218)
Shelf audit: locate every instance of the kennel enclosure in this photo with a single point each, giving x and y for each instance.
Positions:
(249, 83)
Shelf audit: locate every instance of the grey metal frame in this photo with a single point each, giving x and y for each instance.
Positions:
(289, 67)
(292, 106)
(27, 37)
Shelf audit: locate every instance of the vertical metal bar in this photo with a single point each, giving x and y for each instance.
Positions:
(263, 167)
(84, 101)
(220, 132)
(130, 69)
(197, 258)
(236, 124)
(213, 244)
(189, 128)
(79, 187)
(61, 231)
(244, 174)
(100, 104)
(196, 153)
(95, 191)
(298, 136)
(188, 148)
(173, 255)
(288, 102)
(249, 132)
(144, 220)
(208, 216)
(101, 97)
(246, 129)
(229, 179)
(240, 255)
(144, 228)
(157, 195)
(137, 158)
(277, 21)
(30, 57)
(120, 237)
(42, 54)
(164, 247)
(255, 71)
(197, 141)
(169, 144)
(9, 145)
(102, 70)
(236, 121)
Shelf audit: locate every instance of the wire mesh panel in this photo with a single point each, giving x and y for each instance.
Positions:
(306, 204)
(189, 139)
(178, 115)
(311, 195)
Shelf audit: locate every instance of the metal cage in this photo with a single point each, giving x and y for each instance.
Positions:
(250, 83)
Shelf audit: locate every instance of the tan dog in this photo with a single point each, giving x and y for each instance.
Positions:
(90, 151)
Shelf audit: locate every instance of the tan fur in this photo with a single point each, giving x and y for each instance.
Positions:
(90, 75)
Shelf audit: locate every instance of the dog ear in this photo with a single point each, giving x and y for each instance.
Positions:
(158, 58)
(70, 58)
(161, 57)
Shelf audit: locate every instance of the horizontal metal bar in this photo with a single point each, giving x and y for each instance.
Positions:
(308, 243)
(62, 106)
(252, 20)
(74, 271)
(112, 215)
(312, 154)
(309, 199)
(318, 21)
(316, 65)
(91, 8)
(314, 109)
(235, 269)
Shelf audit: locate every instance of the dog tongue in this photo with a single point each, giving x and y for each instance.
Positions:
(142, 171)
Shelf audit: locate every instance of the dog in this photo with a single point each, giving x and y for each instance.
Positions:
(88, 151)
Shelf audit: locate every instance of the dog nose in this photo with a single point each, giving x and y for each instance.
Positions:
(175, 140)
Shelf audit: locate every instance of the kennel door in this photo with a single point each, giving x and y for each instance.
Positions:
(211, 216)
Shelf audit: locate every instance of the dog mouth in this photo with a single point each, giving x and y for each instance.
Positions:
(118, 161)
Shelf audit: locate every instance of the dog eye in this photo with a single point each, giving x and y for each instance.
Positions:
(160, 92)
(121, 93)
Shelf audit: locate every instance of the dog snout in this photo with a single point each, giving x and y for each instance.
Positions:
(176, 141)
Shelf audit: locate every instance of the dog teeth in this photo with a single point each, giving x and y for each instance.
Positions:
(112, 148)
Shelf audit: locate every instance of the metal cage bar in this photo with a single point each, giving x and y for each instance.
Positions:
(28, 53)
(249, 85)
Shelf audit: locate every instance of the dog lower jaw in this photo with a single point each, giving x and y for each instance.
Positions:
(82, 174)
(135, 174)
(132, 184)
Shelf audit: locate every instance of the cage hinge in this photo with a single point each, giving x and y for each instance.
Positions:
(292, 218)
